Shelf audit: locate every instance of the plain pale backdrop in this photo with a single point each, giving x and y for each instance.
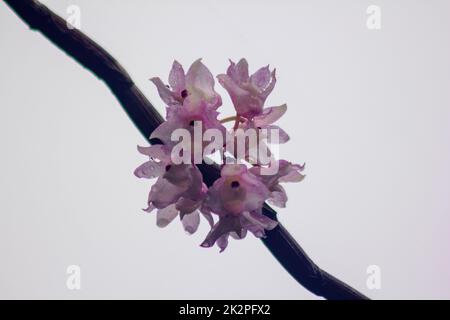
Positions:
(368, 111)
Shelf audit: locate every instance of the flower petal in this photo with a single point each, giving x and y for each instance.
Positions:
(164, 131)
(270, 87)
(177, 79)
(223, 226)
(149, 208)
(149, 170)
(166, 95)
(240, 236)
(208, 216)
(238, 72)
(292, 176)
(269, 115)
(185, 176)
(163, 193)
(200, 85)
(260, 220)
(282, 136)
(233, 170)
(191, 222)
(261, 78)
(187, 206)
(222, 242)
(278, 196)
(159, 152)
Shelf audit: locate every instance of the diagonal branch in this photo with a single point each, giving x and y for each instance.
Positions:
(94, 58)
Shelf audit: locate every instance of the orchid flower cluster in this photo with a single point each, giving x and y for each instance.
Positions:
(233, 205)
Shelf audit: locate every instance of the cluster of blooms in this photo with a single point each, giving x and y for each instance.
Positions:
(236, 199)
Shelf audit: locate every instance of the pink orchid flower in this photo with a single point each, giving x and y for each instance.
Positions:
(248, 93)
(197, 86)
(287, 172)
(191, 98)
(178, 190)
(237, 198)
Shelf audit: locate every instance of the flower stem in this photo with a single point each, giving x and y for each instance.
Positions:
(236, 120)
(229, 119)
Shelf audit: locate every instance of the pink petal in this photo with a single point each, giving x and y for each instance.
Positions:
(149, 208)
(164, 131)
(255, 229)
(231, 86)
(240, 236)
(200, 85)
(289, 172)
(261, 78)
(278, 196)
(298, 167)
(246, 104)
(233, 170)
(283, 137)
(269, 115)
(224, 226)
(166, 215)
(248, 193)
(256, 194)
(208, 216)
(159, 152)
(149, 170)
(191, 222)
(177, 78)
(270, 87)
(166, 95)
(186, 206)
(238, 72)
(260, 220)
(163, 193)
(222, 242)
(292, 176)
(186, 176)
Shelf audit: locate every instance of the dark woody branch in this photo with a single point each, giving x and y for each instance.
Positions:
(142, 113)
